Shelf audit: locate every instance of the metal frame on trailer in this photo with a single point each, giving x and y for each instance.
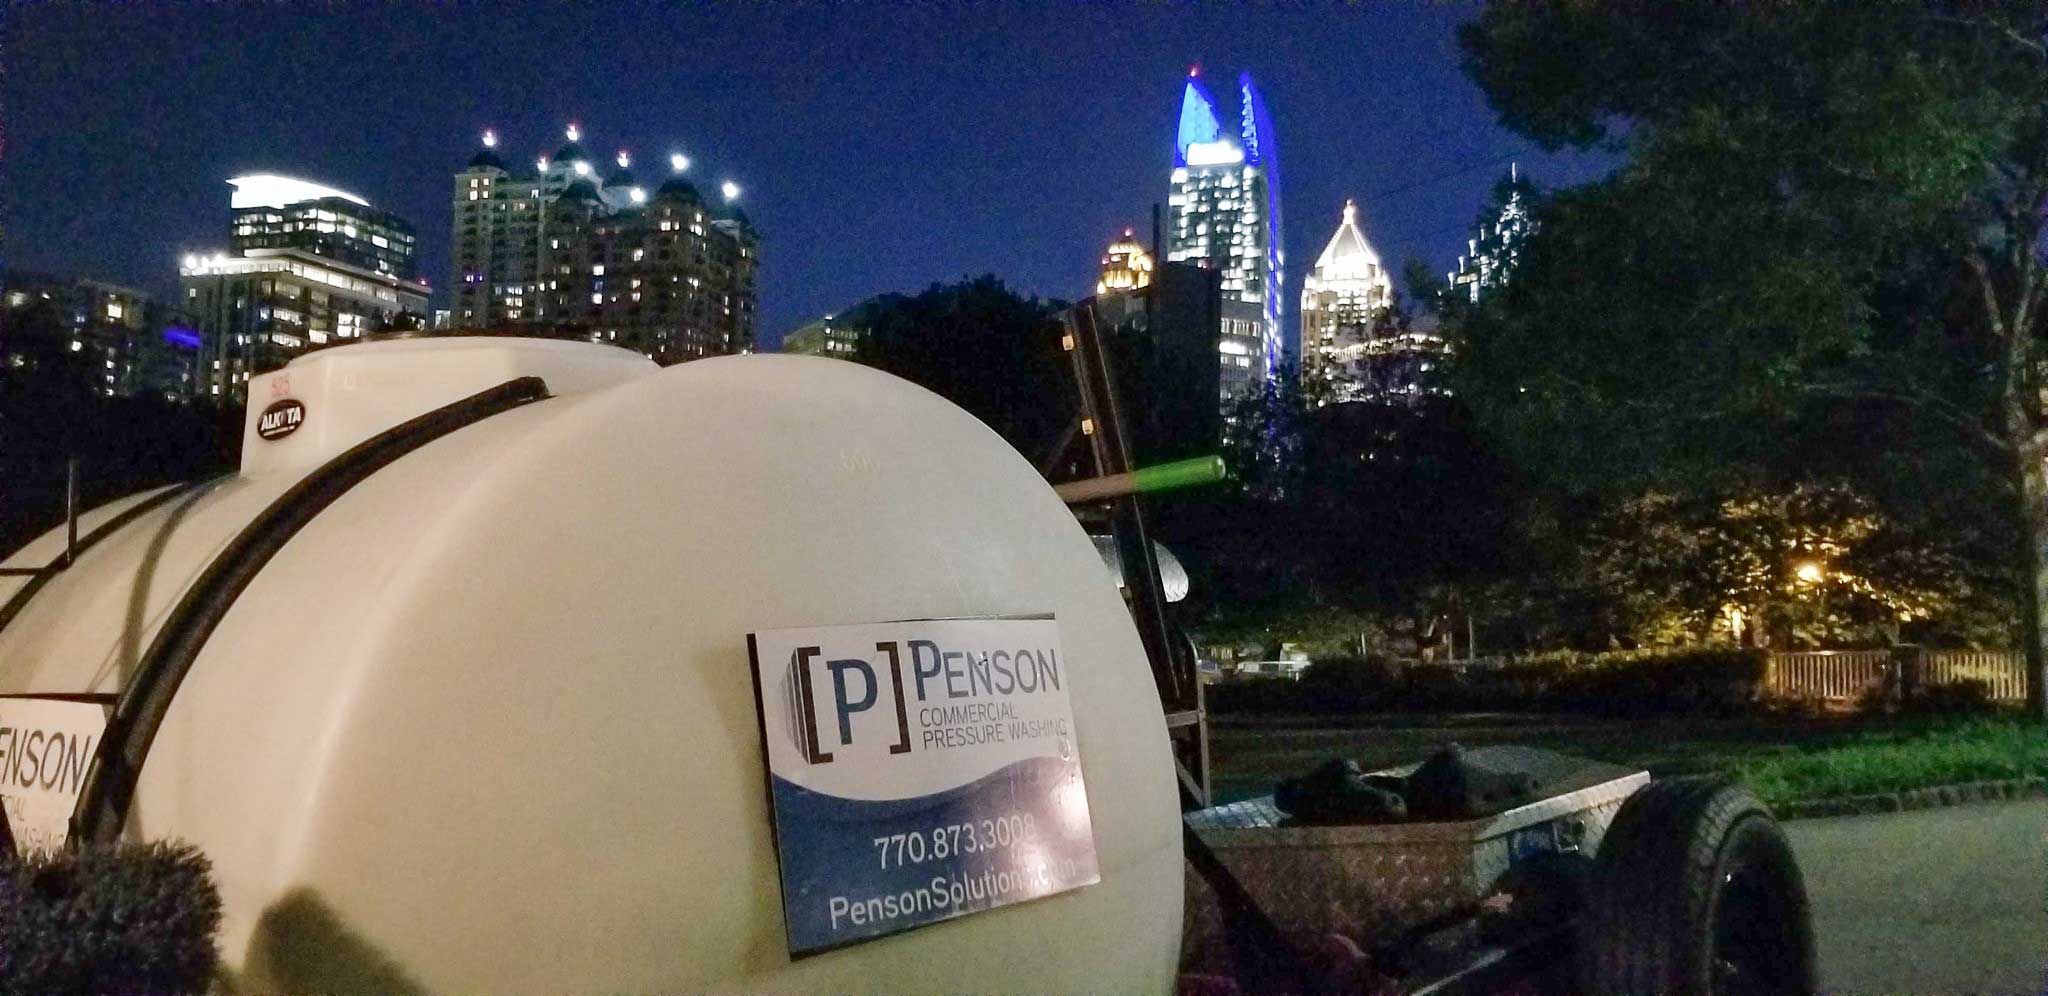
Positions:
(76, 545)
(1099, 422)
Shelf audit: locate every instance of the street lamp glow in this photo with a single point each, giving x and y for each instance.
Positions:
(678, 162)
(1809, 572)
(490, 139)
(543, 163)
(730, 189)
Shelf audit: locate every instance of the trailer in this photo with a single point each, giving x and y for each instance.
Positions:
(521, 665)
(1595, 880)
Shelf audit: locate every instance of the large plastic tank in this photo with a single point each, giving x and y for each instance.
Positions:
(486, 723)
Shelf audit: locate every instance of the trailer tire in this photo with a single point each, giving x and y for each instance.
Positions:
(1695, 891)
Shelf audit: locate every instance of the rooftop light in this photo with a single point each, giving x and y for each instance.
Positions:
(490, 139)
(639, 195)
(625, 160)
(543, 163)
(271, 190)
(678, 162)
(582, 168)
(730, 189)
(573, 132)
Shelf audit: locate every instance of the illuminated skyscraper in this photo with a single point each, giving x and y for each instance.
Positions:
(1225, 208)
(1492, 253)
(1125, 266)
(1341, 297)
(580, 249)
(307, 266)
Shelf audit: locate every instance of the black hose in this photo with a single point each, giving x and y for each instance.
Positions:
(117, 763)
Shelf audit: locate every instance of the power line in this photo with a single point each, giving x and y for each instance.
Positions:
(1440, 177)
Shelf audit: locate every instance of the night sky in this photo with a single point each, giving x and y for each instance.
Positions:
(879, 147)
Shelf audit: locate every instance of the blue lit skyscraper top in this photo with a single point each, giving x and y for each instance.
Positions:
(1224, 214)
(1198, 122)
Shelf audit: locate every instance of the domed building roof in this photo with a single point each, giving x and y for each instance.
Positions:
(676, 186)
(732, 212)
(581, 190)
(485, 158)
(570, 152)
(621, 177)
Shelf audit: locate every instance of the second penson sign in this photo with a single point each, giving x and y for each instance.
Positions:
(919, 771)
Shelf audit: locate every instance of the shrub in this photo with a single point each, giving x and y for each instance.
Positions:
(128, 918)
(1715, 681)
(1969, 697)
(1349, 684)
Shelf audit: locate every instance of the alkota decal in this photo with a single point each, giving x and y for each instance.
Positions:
(281, 419)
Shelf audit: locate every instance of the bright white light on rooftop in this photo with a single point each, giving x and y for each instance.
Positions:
(1214, 153)
(730, 189)
(573, 132)
(639, 196)
(543, 163)
(271, 190)
(582, 168)
(625, 160)
(678, 162)
(490, 139)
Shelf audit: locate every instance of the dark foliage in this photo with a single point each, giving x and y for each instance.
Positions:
(983, 347)
(1692, 682)
(109, 920)
(123, 445)
(1819, 264)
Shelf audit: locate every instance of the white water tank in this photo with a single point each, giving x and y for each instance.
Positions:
(486, 723)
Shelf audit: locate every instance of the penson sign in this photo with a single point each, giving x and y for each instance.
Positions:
(919, 771)
(46, 745)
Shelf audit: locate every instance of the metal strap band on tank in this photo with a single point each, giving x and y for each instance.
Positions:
(41, 576)
(117, 763)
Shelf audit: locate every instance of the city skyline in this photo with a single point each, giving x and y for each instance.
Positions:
(916, 164)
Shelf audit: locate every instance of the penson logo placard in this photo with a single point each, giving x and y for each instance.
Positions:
(919, 771)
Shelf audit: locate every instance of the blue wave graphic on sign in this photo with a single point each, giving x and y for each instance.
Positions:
(854, 869)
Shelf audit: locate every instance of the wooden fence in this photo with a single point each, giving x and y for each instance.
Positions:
(1826, 674)
(1846, 674)
(2003, 672)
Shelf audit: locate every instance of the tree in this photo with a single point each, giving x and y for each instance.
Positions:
(983, 347)
(1825, 207)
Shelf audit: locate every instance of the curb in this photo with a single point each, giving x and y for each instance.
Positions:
(1933, 797)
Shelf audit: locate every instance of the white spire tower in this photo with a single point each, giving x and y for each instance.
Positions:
(1340, 299)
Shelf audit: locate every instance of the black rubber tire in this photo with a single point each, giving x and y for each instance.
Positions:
(1695, 892)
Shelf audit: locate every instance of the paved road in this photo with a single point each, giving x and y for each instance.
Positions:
(1937, 901)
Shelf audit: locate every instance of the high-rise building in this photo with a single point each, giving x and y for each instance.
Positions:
(102, 337)
(308, 266)
(1204, 352)
(1345, 294)
(1224, 207)
(575, 250)
(1491, 254)
(1125, 266)
(279, 212)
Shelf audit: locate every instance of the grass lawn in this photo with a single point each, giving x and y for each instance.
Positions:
(1781, 758)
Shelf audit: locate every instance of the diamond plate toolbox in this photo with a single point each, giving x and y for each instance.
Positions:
(1374, 881)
